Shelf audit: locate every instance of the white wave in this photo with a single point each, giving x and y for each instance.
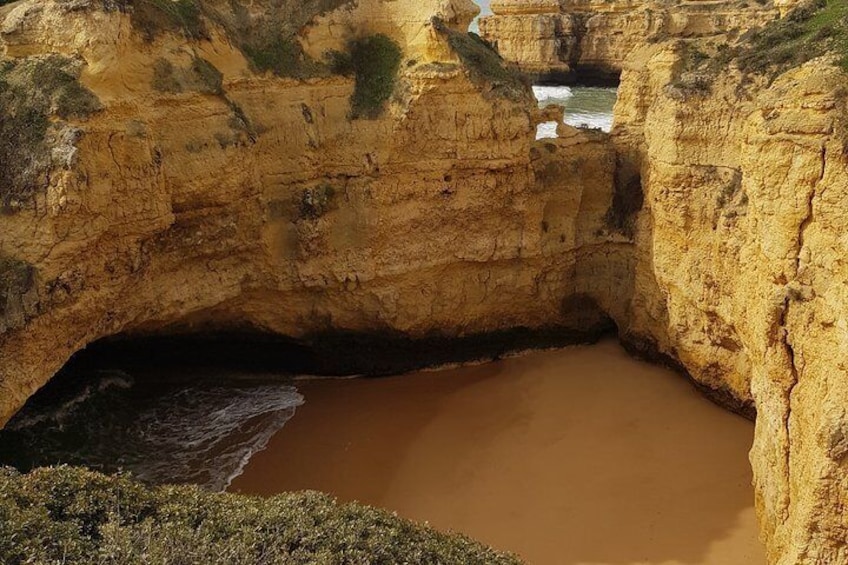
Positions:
(546, 130)
(207, 436)
(552, 94)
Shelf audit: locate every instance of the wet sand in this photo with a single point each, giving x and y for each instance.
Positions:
(577, 456)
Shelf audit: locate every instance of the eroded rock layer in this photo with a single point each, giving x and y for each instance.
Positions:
(743, 163)
(588, 40)
(202, 195)
(170, 169)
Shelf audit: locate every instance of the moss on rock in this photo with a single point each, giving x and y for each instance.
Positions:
(484, 62)
(70, 515)
(31, 90)
(16, 279)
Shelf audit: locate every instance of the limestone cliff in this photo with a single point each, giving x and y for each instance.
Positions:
(563, 40)
(742, 154)
(175, 167)
(196, 193)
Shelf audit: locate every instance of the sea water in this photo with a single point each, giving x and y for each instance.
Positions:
(585, 107)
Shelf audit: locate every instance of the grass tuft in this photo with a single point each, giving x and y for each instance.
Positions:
(809, 31)
(154, 17)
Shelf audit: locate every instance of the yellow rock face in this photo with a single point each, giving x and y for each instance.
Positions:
(709, 227)
(266, 205)
(742, 231)
(551, 39)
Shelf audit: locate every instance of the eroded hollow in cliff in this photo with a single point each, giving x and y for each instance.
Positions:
(584, 440)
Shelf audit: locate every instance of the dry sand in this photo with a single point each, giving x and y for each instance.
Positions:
(577, 456)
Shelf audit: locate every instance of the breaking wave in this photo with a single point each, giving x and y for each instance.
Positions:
(191, 433)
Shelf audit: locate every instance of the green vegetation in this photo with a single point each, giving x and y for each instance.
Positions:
(30, 89)
(200, 76)
(152, 17)
(484, 62)
(16, 278)
(281, 55)
(268, 40)
(73, 516)
(374, 62)
(316, 201)
(809, 31)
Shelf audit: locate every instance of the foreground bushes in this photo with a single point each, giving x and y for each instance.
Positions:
(71, 515)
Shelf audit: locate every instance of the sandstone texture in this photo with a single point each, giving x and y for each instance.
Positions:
(184, 182)
(587, 40)
(255, 201)
(744, 179)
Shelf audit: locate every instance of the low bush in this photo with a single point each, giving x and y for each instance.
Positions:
(153, 17)
(484, 62)
(809, 31)
(277, 54)
(374, 62)
(74, 516)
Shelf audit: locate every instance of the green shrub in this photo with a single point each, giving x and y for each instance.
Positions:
(30, 89)
(374, 61)
(73, 516)
(484, 62)
(153, 17)
(279, 55)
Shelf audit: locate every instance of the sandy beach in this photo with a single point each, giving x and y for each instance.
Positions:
(577, 456)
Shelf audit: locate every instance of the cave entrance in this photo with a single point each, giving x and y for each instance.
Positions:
(194, 408)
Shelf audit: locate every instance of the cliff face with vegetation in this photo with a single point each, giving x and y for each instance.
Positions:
(198, 170)
(562, 40)
(742, 151)
(366, 168)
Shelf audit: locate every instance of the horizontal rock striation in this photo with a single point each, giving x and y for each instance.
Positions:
(206, 196)
(202, 170)
(587, 41)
